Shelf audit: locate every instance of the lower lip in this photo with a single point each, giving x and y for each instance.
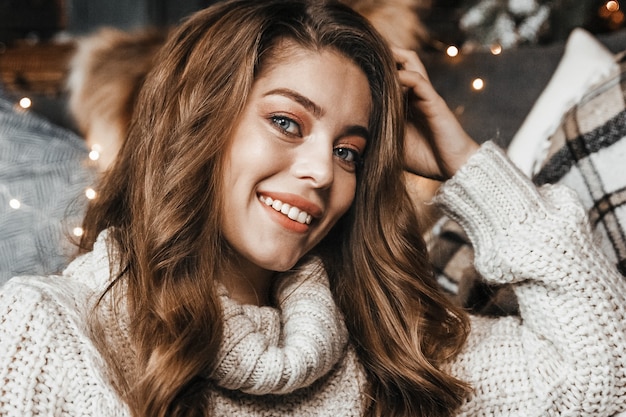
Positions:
(285, 221)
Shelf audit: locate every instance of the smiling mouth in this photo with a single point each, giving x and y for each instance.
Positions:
(294, 213)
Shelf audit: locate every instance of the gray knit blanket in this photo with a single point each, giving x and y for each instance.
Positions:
(43, 177)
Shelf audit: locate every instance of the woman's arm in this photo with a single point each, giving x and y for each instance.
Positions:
(566, 353)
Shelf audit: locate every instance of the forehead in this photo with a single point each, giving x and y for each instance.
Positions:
(323, 75)
(285, 51)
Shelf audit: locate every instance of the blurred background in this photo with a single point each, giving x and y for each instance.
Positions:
(450, 21)
(43, 19)
(463, 38)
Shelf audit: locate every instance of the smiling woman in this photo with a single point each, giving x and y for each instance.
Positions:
(293, 156)
(253, 249)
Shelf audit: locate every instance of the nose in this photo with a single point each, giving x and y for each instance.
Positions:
(314, 163)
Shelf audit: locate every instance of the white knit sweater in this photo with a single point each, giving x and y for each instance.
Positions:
(565, 355)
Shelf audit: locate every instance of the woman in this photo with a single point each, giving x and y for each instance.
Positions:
(253, 250)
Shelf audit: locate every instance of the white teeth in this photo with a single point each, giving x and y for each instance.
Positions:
(302, 217)
(293, 213)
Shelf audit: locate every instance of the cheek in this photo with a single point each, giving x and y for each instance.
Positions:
(343, 193)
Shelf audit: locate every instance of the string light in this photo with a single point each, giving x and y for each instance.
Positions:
(452, 51)
(94, 155)
(610, 11)
(496, 49)
(25, 102)
(90, 193)
(95, 152)
(612, 6)
(78, 231)
(15, 204)
(478, 84)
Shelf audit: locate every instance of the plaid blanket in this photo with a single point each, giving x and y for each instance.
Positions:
(588, 154)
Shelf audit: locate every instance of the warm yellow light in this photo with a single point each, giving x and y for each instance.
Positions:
(452, 51)
(15, 204)
(478, 84)
(609, 9)
(90, 193)
(496, 49)
(78, 231)
(612, 6)
(94, 155)
(25, 102)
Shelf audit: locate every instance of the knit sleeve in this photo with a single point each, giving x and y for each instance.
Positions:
(47, 365)
(566, 352)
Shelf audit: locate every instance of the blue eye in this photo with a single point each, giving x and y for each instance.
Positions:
(348, 155)
(286, 125)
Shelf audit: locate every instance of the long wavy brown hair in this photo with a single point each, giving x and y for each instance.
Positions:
(161, 202)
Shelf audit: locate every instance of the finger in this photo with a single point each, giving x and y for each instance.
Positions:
(419, 84)
(409, 61)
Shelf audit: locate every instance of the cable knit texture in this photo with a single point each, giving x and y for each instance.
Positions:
(298, 350)
(564, 356)
(276, 351)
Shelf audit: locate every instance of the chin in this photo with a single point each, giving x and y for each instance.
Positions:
(280, 266)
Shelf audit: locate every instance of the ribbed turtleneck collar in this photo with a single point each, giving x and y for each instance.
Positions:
(269, 350)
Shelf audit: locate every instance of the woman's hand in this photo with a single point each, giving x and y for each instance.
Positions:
(436, 145)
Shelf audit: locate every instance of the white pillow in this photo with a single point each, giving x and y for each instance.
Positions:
(585, 61)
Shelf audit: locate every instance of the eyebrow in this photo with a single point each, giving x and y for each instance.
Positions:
(358, 130)
(317, 111)
(300, 99)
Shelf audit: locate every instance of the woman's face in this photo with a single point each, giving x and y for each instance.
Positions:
(290, 166)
